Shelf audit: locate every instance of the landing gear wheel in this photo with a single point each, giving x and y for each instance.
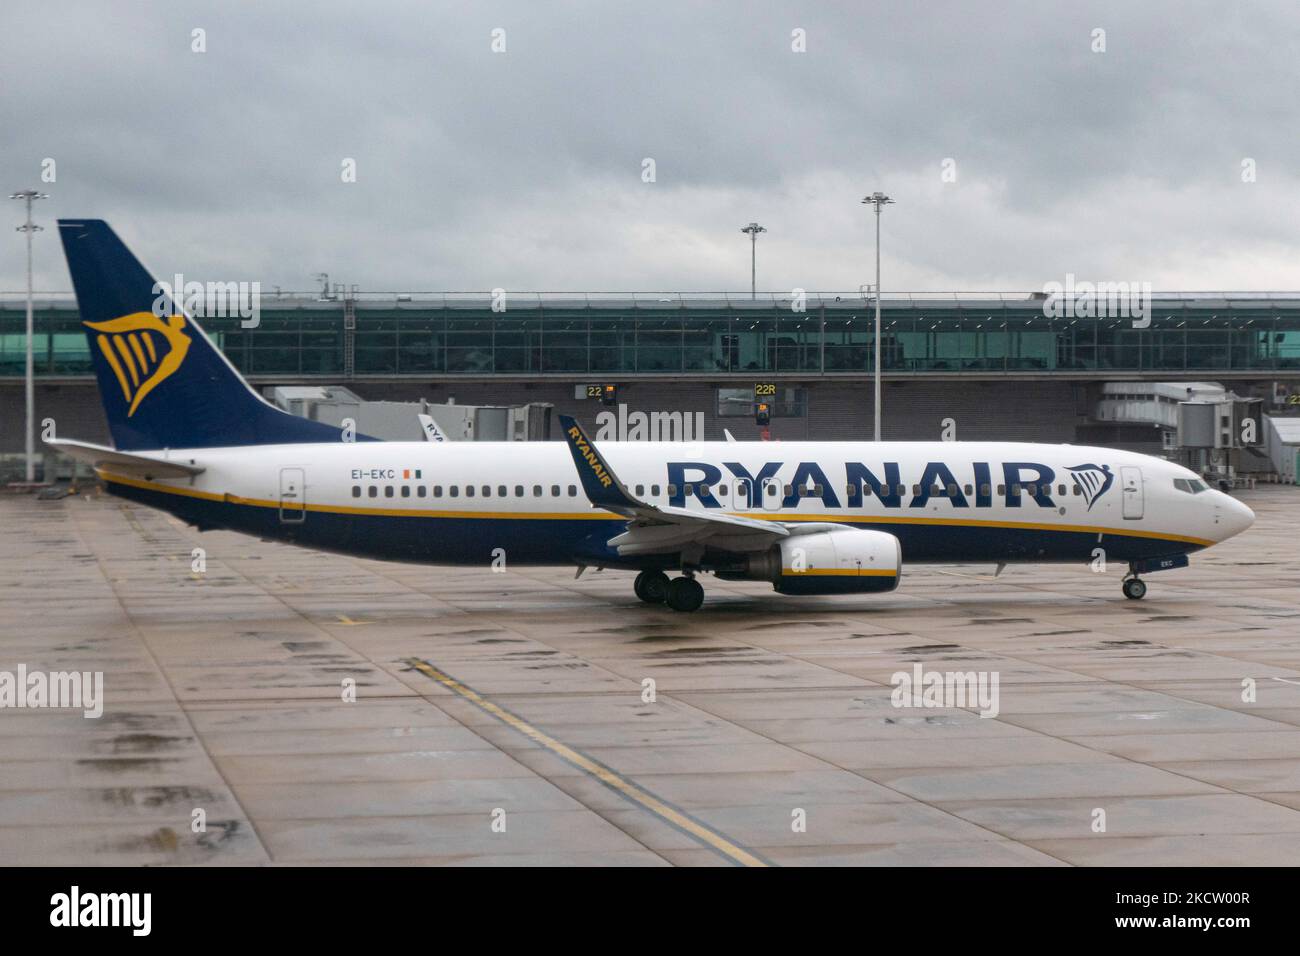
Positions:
(651, 587)
(685, 594)
(1135, 589)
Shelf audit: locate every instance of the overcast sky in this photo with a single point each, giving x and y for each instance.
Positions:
(524, 169)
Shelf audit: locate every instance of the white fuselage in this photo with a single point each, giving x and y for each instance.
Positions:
(455, 502)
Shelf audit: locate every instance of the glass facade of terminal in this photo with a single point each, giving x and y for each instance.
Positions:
(301, 338)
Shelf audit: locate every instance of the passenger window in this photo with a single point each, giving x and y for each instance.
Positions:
(968, 491)
(1002, 490)
(421, 491)
(356, 491)
(555, 491)
(406, 491)
(986, 490)
(902, 490)
(1060, 490)
(1015, 491)
(672, 491)
(952, 491)
(640, 491)
(388, 491)
(916, 491)
(788, 489)
(374, 492)
(437, 491)
(537, 491)
(519, 491)
(455, 491)
(502, 491)
(487, 491)
(866, 490)
(688, 490)
(817, 490)
(573, 491)
(469, 491)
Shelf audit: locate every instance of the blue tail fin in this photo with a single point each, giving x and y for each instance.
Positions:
(163, 384)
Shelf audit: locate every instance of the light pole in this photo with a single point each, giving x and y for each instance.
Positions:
(28, 195)
(877, 199)
(753, 229)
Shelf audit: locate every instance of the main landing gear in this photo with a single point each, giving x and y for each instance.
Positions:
(680, 594)
(1135, 589)
(651, 587)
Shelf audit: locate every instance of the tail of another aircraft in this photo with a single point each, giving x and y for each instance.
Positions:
(163, 384)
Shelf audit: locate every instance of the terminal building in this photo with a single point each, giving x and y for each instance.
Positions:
(969, 365)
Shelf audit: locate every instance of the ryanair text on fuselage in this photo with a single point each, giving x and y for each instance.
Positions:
(1018, 481)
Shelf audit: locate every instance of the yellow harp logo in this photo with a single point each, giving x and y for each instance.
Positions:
(142, 350)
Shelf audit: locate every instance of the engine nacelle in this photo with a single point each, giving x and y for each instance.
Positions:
(841, 561)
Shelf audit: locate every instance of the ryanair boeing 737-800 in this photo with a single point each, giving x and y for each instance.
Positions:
(192, 438)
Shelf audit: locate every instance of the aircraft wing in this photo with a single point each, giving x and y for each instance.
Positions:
(659, 530)
(121, 462)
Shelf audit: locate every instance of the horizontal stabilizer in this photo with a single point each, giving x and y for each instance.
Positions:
(121, 462)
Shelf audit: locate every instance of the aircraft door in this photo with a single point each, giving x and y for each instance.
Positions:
(1130, 478)
(293, 496)
(771, 494)
(741, 494)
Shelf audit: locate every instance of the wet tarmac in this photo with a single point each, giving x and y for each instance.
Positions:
(507, 717)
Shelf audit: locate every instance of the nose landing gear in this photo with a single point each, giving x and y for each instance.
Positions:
(1135, 588)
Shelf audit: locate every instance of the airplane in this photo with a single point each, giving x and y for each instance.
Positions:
(192, 438)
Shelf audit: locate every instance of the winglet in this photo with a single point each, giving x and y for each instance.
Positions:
(601, 485)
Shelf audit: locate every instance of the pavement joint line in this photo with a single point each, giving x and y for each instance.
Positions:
(139, 633)
(678, 819)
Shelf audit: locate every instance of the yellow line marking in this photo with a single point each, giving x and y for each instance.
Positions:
(606, 516)
(344, 619)
(609, 778)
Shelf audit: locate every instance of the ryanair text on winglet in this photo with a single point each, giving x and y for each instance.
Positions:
(584, 449)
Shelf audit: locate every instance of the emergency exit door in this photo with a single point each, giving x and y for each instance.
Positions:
(293, 496)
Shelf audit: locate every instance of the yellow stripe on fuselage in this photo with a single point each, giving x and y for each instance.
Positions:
(606, 516)
(840, 572)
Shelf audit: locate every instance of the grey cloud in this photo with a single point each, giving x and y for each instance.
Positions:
(522, 169)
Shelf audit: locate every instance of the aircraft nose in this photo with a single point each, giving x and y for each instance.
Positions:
(1234, 517)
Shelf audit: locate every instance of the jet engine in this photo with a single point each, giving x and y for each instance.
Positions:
(839, 561)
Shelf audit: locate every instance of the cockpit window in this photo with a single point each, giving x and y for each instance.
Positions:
(1193, 486)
